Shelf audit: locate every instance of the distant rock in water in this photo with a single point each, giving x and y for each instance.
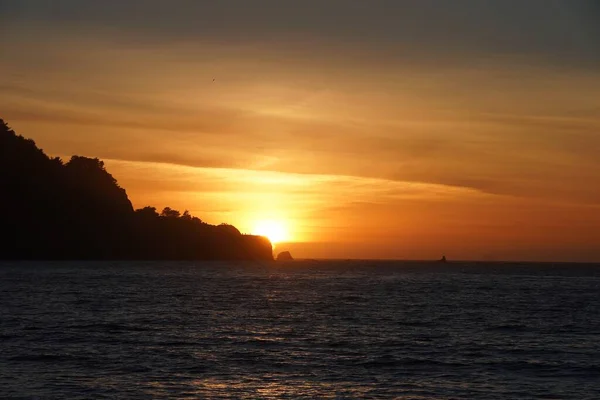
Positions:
(443, 259)
(76, 210)
(284, 256)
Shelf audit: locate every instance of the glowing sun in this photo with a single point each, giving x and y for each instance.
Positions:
(275, 231)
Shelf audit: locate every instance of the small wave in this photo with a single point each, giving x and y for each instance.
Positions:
(39, 358)
(417, 323)
(508, 328)
(138, 369)
(261, 343)
(110, 327)
(409, 361)
(525, 365)
(196, 369)
(338, 344)
(174, 344)
(352, 298)
(591, 371)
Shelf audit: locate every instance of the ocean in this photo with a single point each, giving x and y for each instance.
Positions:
(302, 329)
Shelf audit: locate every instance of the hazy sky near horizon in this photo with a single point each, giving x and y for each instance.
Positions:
(385, 128)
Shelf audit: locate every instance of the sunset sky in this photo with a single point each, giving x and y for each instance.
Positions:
(369, 129)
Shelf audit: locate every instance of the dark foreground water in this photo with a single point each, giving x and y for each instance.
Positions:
(299, 330)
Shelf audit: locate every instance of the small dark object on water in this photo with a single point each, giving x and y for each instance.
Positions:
(284, 256)
(443, 259)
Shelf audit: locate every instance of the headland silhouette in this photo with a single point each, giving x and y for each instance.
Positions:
(77, 211)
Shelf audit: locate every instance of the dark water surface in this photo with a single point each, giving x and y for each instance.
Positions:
(305, 329)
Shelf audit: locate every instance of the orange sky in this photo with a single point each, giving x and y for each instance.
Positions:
(362, 149)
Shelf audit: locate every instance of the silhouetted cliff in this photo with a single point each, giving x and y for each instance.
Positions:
(76, 210)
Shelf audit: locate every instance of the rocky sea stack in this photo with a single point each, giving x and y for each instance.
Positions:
(284, 256)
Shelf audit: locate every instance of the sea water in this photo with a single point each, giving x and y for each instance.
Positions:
(302, 329)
